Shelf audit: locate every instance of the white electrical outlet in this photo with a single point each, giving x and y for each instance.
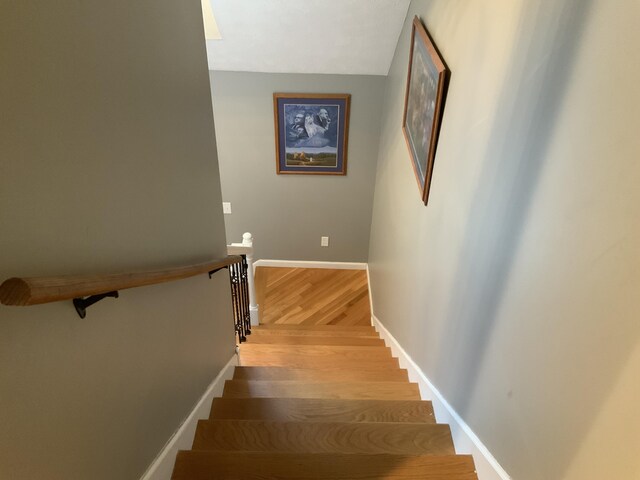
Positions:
(226, 208)
(324, 241)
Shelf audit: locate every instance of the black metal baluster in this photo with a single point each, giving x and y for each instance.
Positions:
(245, 295)
(233, 300)
(240, 301)
(237, 303)
(235, 294)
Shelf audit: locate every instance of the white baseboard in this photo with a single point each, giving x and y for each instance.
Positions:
(162, 467)
(310, 264)
(464, 439)
(370, 294)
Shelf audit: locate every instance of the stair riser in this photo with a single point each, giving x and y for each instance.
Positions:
(302, 362)
(336, 328)
(316, 375)
(319, 350)
(321, 410)
(308, 340)
(339, 390)
(291, 437)
(312, 333)
(260, 466)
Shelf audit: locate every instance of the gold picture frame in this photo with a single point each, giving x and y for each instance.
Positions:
(427, 81)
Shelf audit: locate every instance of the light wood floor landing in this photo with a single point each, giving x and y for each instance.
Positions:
(312, 296)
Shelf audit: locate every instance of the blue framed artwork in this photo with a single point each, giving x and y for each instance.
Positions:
(424, 103)
(311, 133)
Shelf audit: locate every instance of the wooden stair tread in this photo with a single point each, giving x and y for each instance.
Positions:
(320, 328)
(320, 375)
(312, 333)
(253, 359)
(323, 437)
(325, 410)
(331, 351)
(314, 340)
(202, 465)
(344, 390)
(316, 356)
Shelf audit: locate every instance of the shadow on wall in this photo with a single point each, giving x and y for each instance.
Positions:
(527, 111)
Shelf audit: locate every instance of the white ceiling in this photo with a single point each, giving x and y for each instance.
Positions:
(306, 36)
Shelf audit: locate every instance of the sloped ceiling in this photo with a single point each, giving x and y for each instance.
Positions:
(306, 36)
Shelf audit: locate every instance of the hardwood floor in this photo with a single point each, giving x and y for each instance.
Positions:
(312, 296)
(318, 395)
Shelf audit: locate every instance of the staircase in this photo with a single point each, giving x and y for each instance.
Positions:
(320, 402)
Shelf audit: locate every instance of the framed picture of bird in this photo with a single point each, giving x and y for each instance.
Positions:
(312, 132)
(427, 83)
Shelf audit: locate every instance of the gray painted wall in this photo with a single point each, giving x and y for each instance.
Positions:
(287, 214)
(107, 164)
(516, 289)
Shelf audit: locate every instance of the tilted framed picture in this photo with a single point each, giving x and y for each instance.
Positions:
(311, 133)
(423, 105)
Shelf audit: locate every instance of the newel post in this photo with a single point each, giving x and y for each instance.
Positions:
(246, 248)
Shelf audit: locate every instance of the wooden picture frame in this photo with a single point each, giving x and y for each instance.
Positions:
(312, 133)
(427, 81)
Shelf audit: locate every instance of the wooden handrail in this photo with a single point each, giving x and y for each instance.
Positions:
(37, 290)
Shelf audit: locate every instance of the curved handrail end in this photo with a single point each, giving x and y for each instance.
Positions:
(15, 291)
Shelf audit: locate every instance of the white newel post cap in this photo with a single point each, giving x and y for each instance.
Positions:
(247, 239)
